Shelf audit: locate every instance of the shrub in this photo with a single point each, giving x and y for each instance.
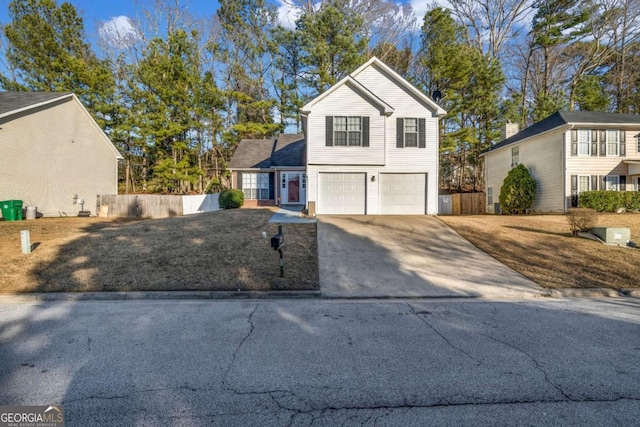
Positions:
(610, 201)
(231, 199)
(581, 220)
(518, 191)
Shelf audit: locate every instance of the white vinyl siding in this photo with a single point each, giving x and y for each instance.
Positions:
(348, 103)
(382, 156)
(402, 194)
(255, 186)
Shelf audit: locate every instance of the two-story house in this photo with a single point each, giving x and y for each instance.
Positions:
(568, 153)
(372, 146)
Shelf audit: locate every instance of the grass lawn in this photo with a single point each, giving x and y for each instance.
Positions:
(209, 251)
(541, 247)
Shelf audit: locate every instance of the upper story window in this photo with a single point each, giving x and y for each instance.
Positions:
(515, 156)
(347, 131)
(410, 132)
(613, 143)
(584, 142)
(638, 146)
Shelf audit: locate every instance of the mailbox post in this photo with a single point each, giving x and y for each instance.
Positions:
(277, 243)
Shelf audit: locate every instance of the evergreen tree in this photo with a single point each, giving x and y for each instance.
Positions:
(47, 51)
(333, 42)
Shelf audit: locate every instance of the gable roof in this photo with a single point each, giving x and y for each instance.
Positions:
(388, 109)
(16, 102)
(567, 118)
(286, 150)
(440, 112)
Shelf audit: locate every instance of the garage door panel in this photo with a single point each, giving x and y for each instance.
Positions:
(402, 194)
(341, 193)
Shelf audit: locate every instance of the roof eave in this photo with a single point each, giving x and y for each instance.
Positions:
(36, 105)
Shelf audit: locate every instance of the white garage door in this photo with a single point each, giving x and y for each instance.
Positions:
(341, 193)
(403, 193)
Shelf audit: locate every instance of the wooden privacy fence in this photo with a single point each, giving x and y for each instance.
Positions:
(462, 204)
(154, 205)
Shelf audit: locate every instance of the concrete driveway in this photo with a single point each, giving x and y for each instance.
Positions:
(409, 256)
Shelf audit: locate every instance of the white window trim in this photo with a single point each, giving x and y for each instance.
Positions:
(587, 142)
(347, 131)
(261, 182)
(617, 133)
(490, 197)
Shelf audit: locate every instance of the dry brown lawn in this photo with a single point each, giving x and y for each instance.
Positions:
(541, 247)
(209, 251)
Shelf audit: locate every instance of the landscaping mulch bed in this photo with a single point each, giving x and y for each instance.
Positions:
(210, 251)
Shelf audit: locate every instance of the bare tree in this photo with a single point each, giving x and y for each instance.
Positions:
(492, 22)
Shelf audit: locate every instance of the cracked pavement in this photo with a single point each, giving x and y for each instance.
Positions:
(322, 362)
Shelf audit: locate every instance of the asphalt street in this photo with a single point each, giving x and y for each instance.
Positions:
(320, 362)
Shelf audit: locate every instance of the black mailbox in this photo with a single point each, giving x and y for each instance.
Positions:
(277, 241)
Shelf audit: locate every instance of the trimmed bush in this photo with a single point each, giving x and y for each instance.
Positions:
(581, 220)
(610, 201)
(231, 199)
(518, 191)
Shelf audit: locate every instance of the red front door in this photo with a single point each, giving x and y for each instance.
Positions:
(293, 195)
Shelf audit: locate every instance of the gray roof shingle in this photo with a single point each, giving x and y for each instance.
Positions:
(286, 150)
(11, 101)
(562, 118)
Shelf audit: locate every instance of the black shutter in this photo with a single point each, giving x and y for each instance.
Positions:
(272, 189)
(623, 183)
(594, 142)
(603, 143)
(329, 131)
(574, 191)
(594, 182)
(365, 131)
(399, 133)
(422, 139)
(623, 144)
(574, 142)
(239, 179)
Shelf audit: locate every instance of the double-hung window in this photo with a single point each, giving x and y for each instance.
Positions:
(347, 131)
(613, 143)
(584, 142)
(515, 156)
(584, 183)
(410, 132)
(612, 182)
(255, 186)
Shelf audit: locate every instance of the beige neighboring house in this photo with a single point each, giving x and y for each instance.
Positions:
(53, 155)
(568, 153)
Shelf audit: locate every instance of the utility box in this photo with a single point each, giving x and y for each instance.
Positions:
(613, 235)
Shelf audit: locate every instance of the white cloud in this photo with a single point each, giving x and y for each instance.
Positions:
(421, 7)
(119, 31)
(288, 14)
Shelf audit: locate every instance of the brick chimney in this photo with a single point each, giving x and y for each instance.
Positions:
(509, 129)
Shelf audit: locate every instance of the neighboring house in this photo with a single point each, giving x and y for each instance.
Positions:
(568, 153)
(372, 146)
(270, 171)
(53, 154)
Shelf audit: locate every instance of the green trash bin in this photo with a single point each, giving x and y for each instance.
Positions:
(11, 210)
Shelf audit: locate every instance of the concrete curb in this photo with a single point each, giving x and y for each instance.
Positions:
(594, 293)
(158, 295)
